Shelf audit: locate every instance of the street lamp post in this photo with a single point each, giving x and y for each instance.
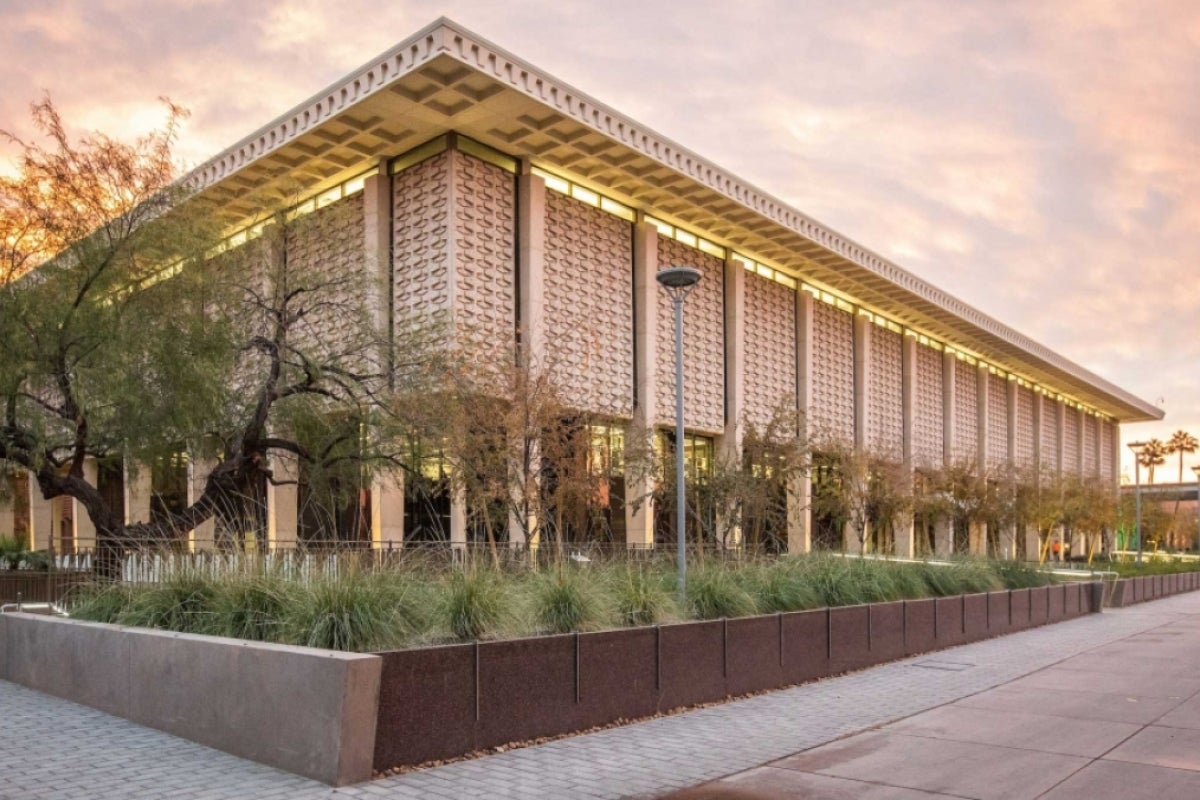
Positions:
(679, 282)
(1197, 471)
(1137, 448)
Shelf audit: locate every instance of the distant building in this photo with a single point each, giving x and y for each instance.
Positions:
(479, 186)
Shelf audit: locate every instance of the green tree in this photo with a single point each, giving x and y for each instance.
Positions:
(131, 337)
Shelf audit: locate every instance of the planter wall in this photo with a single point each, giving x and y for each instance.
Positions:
(311, 712)
(442, 702)
(1130, 591)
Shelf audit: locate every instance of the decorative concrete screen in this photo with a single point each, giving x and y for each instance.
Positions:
(484, 200)
(770, 336)
(885, 419)
(588, 305)
(1023, 457)
(1107, 429)
(997, 420)
(1050, 409)
(329, 242)
(928, 407)
(832, 411)
(1090, 437)
(421, 247)
(1071, 441)
(966, 412)
(703, 343)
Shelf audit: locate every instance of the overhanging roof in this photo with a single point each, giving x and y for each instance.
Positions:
(446, 78)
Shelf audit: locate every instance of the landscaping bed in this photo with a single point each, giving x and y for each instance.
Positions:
(448, 665)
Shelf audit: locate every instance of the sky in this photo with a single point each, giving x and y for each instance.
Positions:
(1039, 160)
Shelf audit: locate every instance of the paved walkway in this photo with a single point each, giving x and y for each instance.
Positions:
(1135, 662)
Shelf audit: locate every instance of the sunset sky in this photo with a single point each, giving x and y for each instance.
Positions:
(1039, 160)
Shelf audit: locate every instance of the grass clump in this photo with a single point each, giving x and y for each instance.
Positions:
(472, 604)
(182, 602)
(566, 600)
(1019, 575)
(353, 612)
(253, 607)
(641, 596)
(716, 592)
(99, 602)
(781, 587)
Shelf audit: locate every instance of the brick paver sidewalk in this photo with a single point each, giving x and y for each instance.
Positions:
(50, 748)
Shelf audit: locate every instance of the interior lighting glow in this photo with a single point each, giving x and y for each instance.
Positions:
(585, 195)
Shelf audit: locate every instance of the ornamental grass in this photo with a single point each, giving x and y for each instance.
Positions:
(413, 605)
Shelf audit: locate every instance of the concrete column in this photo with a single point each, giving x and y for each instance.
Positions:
(1037, 433)
(1033, 544)
(905, 535)
(735, 359)
(1061, 440)
(41, 515)
(205, 534)
(639, 508)
(1080, 420)
(1008, 542)
(387, 511)
(903, 526)
(377, 249)
(1098, 447)
(850, 542)
(977, 538)
(862, 379)
(800, 486)
(943, 536)
(1013, 409)
(729, 443)
(949, 434)
(7, 510)
(283, 505)
(458, 518)
(981, 426)
(531, 265)
(138, 488)
(1115, 477)
(85, 529)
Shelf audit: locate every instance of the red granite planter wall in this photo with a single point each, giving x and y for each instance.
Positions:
(442, 702)
(1128, 591)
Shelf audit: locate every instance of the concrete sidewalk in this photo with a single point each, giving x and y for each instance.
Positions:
(1059, 708)
(1119, 721)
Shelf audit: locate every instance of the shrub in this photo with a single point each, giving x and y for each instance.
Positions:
(11, 552)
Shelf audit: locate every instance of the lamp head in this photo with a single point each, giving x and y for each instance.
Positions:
(678, 281)
(1137, 447)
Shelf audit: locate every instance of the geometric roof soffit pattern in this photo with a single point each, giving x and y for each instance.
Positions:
(446, 78)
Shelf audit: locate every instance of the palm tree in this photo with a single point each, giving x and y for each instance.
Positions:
(1183, 443)
(1154, 454)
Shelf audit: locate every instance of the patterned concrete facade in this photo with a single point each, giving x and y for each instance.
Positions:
(514, 230)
